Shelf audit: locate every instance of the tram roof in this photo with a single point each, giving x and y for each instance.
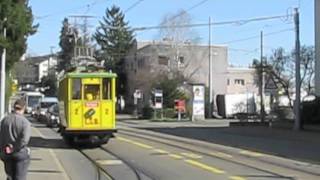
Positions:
(91, 75)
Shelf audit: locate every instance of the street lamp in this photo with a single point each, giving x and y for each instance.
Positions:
(3, 75)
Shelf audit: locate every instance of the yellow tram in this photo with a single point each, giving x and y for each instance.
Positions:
(87, 106)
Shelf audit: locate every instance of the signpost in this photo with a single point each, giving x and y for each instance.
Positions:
(198, 104)
(136, 96)
(180, 107)
(158, 101)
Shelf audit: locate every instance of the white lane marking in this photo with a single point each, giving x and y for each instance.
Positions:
(109, 162)
(251, 153)
(39, 133)
(58, 163)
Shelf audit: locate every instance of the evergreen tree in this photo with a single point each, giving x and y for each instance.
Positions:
(115, 38)
(19, 25)
(67, 44)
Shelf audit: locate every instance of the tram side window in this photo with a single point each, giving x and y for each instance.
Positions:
(106, 89)
(76, 88)
(92, 92)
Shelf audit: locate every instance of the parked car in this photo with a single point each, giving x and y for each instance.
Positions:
(43, 107)
(52, 116)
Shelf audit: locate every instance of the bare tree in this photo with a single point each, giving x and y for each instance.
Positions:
(281, 69)
(179, 39)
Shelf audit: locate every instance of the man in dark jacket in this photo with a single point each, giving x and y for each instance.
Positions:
(15, 132)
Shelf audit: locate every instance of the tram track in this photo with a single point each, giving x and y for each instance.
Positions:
(205, 150)
(102, 172)
(102, 169)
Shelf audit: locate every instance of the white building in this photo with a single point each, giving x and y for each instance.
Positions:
(32, 69)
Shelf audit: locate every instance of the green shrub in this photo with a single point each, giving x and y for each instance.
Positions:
(310, 112)
(147, 112)
(169, 113)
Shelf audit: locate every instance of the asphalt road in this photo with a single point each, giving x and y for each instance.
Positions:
(139, 154)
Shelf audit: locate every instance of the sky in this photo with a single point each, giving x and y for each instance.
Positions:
(141, 13)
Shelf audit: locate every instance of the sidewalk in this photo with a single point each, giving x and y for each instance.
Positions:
(44, 163)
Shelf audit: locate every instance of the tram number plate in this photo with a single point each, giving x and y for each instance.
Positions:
(92, 104)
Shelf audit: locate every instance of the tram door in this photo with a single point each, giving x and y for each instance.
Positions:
(91, 103)
(107, 107)
(75, 103)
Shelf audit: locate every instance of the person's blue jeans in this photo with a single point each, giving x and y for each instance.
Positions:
(16, 170)
(16, 165)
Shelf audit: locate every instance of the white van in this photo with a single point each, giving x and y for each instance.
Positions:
(32, 99)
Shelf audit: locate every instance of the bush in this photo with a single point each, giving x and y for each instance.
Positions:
(147, 112)
(169, 113)
(310, 112)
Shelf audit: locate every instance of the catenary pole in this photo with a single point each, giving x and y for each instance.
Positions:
(210, 73)
(297, 122)
(3, 78)
(261, 89)
(317, 45)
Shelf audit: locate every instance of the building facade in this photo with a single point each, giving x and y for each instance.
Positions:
(242, 80)
(146, 64)
(31, 70)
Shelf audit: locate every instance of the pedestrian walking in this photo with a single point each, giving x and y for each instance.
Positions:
(15, 132)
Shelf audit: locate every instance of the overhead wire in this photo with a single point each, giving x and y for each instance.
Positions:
(257, 36)
(133, 6)
(88, 6)
(189, 9)
(234, 22)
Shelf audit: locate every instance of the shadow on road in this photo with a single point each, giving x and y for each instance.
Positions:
(285, 143)
(38, 142)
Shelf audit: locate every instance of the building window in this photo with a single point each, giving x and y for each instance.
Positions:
(239, 81)
(228, 82)
(163, 60)
(141, 63)
(181, 61)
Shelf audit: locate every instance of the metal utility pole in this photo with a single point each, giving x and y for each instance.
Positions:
(3, 77)
(261, 89)
(297, 122)
(210, 73)
(84, 26)
(51, 56)
(317, 45)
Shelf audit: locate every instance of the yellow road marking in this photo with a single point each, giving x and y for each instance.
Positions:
(175, 156)
(236, 178)
(58, 163)
(142, 145)
(221, 154)
(123, 139)
(161, 151)
(191, 155)
(135, 143)
(251, 153)
(204, 166)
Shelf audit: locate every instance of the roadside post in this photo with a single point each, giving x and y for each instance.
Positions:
(158, 102)
(180, 107)
(136, 96)
(198, 102)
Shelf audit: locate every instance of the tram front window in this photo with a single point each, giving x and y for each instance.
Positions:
(76, 90)
(91, 92)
